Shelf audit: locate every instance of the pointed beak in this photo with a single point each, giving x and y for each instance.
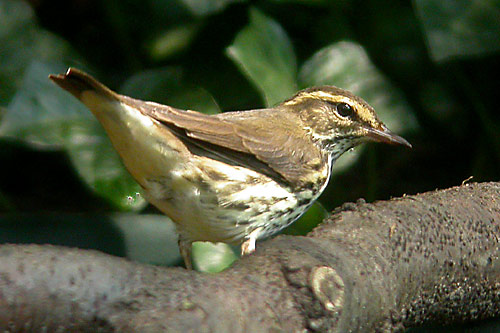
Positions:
(385, 136)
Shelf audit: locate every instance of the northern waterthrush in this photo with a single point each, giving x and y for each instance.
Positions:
(233, 177)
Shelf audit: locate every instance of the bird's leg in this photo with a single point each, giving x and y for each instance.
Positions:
(185, 247)
(248, 246)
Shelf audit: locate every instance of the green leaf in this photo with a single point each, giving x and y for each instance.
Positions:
(40, 113)
(172, 41)
(212, 258)
(21, 42)
(166, 86)
(43, 115)
(460, 28)
(346, 65)
(263, 52)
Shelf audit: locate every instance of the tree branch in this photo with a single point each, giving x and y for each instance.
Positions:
(383, 266)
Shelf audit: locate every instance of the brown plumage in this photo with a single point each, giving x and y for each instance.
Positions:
(237, 176)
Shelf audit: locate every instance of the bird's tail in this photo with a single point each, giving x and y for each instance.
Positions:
(132, 131)
(77, 82)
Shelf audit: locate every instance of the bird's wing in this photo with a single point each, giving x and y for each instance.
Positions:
(262, 140)
(248, 138)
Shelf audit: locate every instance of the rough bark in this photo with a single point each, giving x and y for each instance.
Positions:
(383, 266)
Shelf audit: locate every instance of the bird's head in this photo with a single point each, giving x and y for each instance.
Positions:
(339, 120)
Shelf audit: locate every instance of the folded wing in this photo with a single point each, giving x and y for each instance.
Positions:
(262, 140)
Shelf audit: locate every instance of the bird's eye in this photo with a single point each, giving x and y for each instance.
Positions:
(345, 110)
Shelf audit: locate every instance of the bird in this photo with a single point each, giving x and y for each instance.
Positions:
(233, 177)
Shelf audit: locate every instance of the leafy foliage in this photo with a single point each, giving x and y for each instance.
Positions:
(264, 53)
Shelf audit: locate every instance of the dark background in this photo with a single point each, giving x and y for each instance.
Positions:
(429, 67)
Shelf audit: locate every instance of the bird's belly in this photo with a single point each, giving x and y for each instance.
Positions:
(224, 203)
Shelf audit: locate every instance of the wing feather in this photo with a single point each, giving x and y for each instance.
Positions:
(248, 138)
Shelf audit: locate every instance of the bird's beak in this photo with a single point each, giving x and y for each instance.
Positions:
(385, 136)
